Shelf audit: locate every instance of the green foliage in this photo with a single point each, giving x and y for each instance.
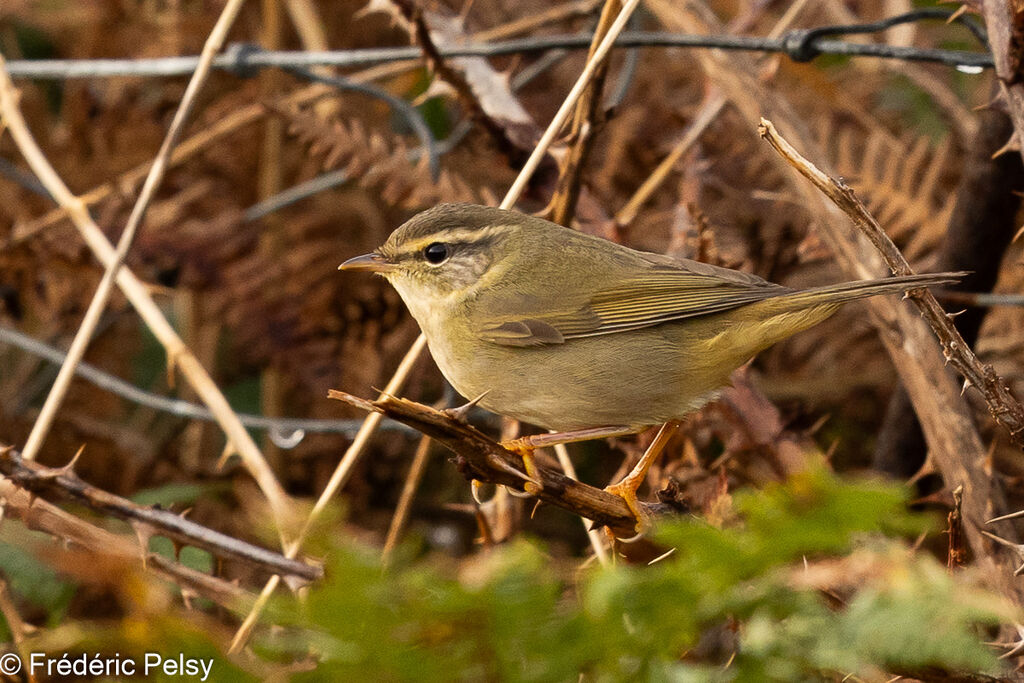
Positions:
(433, 109)
(191, 557)
(507, 615)
(914, 105)
(29, 578)
(178, 493)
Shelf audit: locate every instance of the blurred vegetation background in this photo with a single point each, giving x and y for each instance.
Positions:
(798, 575)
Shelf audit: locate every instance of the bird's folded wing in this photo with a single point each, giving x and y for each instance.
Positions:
(663, 293)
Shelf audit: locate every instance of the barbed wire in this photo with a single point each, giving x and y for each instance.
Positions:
(332, 179)
(283, 429)
(800, 45)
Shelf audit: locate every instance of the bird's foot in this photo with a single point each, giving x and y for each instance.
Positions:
(627, 487)
(524, 448)
(626, 490)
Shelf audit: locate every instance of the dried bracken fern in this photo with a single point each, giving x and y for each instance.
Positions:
(377, 162)
(901, 184)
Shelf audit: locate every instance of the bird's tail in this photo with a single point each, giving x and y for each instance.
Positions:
(859, 289)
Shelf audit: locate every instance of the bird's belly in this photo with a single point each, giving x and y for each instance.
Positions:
(633, 380)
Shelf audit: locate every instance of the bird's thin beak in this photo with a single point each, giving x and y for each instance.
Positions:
(373, 262)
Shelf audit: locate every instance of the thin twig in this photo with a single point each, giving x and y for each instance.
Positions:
(593, 534)
(401, 516)
(83, 336)
(956, 552)
(1002, 405)
(15, 625)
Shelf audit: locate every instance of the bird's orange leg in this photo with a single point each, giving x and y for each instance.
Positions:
(524, 446)
(626, 488)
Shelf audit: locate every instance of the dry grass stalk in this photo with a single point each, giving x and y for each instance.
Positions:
(596, 538)
(568, 104)
(58, 391)
(586, 120)
(401, 516)
(17, 627)
(338, 478)
(713, 105)
(708, 112)
(138, 294)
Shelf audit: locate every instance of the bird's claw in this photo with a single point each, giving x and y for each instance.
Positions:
(524, 449)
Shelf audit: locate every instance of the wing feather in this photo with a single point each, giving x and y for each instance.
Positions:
(662, 291)
(525, 332)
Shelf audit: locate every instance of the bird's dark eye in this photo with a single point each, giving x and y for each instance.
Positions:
(436, 252)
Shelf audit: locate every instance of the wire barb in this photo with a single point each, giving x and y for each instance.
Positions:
(798, 44)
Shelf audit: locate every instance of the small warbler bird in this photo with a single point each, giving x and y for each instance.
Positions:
(583, 336)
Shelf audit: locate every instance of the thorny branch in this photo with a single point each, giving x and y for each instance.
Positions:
(1003, 406)
(1005, 22)
(63, 483)
(40, 515)
(480, 457)
(951, 434)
